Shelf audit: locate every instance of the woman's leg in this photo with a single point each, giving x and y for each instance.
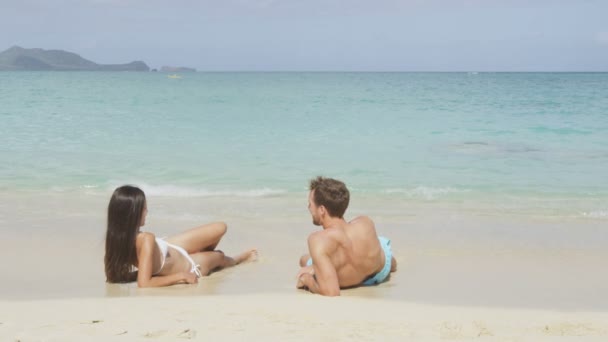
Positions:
(199, 239)
(210, 261)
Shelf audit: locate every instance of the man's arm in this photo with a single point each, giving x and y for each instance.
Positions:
(306, 270)
(324, 279)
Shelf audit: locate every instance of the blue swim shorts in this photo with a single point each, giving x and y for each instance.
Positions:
(386, 270)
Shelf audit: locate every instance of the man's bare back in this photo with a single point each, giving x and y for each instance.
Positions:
(344, 254)
(353, 250)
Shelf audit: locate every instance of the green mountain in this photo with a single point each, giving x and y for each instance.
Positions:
(18, 58)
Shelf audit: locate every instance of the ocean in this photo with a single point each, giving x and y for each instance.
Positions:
(518, 143)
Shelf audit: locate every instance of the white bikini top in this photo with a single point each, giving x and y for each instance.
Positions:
(163, 247)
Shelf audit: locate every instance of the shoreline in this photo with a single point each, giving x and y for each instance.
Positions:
(392, 205)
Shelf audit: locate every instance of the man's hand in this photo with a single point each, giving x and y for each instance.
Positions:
(304, 271)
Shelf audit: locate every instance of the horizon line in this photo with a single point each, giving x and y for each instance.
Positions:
(155, 70)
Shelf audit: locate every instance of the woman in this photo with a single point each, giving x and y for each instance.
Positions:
(182, 258)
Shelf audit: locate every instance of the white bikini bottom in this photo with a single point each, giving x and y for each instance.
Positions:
(163, 246)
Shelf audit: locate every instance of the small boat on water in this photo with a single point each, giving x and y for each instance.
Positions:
(175, 76)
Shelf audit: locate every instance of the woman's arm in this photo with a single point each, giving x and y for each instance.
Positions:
(145, 252)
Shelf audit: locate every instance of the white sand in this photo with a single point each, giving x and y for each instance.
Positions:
(296, 317)
(461, 276)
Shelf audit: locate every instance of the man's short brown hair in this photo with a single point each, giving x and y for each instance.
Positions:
(330, 193)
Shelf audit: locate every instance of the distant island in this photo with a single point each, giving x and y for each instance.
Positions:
(176, 69)
(19, 59)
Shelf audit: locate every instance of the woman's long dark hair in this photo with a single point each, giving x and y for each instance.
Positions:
(125, 212)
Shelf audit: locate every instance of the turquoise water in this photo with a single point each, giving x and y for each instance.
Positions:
(422, 136)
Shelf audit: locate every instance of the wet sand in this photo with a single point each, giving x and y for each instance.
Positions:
(505, 276)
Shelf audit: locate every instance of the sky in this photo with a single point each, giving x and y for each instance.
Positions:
(316, 35)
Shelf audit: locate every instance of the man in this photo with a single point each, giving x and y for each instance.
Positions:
(343, 254)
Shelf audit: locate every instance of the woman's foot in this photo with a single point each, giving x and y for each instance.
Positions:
(250, 255)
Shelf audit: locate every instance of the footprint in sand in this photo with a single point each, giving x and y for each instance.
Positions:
(155, 334)
(482, 330)
(187, 334)
(570, 329)
(452, 330)
(449, 330)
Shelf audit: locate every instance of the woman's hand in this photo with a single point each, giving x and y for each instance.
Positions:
(189, 278)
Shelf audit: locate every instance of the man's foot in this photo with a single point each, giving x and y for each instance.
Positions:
(250, 255)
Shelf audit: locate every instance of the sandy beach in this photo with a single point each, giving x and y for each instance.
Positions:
(277, 317)
(462, 275)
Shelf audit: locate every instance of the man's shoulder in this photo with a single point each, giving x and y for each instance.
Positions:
(323, 239)
(320, 236)
(362, 221)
